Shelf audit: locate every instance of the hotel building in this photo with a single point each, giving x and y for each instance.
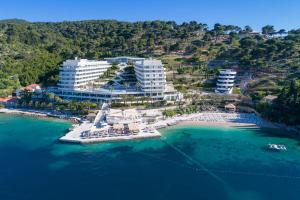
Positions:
(76, 74)
(225, 81)
(151, 77)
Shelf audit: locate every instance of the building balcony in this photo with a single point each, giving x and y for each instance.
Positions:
(226, 80)
(227, 72)
(151, 81)
(223, 89)
(140, 67)
(225, 84)
(149, 75)
(226, 76)
(154, 90)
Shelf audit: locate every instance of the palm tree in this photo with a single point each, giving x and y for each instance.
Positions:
(126, 85)
(50, 96)
(36, 104)
(130, 98)
(30, 103)
(124, 97)
(148, 99)
(26, 95)
(111, 89)
(50, 106)
(143, 98)
(137, 87)
(151, 94)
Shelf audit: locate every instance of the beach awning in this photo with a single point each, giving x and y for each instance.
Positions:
(118, 126)
(133, 127)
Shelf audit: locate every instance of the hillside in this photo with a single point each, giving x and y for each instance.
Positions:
(32, 52)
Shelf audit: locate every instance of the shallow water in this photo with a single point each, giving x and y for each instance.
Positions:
(188, 162)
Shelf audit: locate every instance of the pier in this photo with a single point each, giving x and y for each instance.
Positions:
(111, 125)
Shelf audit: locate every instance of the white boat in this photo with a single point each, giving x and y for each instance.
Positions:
(277, 147)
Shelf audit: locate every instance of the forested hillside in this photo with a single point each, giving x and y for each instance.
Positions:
(286, 107)
(266, 51)
(32, 52)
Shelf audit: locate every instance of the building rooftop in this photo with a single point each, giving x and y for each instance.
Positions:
(126, 57)
(227, 71)
(7, 99)
(31, 87)
(149, 62)
(80, 62)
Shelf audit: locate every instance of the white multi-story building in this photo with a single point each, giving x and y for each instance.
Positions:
(151, 77)
(75, 74)
(225, 81)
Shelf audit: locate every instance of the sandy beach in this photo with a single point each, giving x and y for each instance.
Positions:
(216, 119)
(203, 123)
(203, 118)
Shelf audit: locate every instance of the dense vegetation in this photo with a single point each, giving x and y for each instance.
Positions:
(263, 51)
(8, 84)
(48, 101)
(33, 52)
(286, 107)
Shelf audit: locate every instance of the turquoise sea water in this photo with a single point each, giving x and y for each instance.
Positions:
(186, 163)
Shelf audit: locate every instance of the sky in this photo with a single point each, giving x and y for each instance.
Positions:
(256, 13)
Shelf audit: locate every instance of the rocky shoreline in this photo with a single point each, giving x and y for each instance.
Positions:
(39, 114)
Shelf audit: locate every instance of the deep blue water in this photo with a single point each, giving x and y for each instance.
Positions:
(186, 163)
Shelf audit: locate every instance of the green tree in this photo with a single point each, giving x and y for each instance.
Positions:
(268, 30)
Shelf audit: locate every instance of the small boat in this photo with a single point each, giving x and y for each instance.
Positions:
(277, 147)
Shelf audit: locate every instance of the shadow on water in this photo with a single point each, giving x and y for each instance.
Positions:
(277, 133)
(66, 131)
(186, 143)
(271, 132)
(121, 149)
